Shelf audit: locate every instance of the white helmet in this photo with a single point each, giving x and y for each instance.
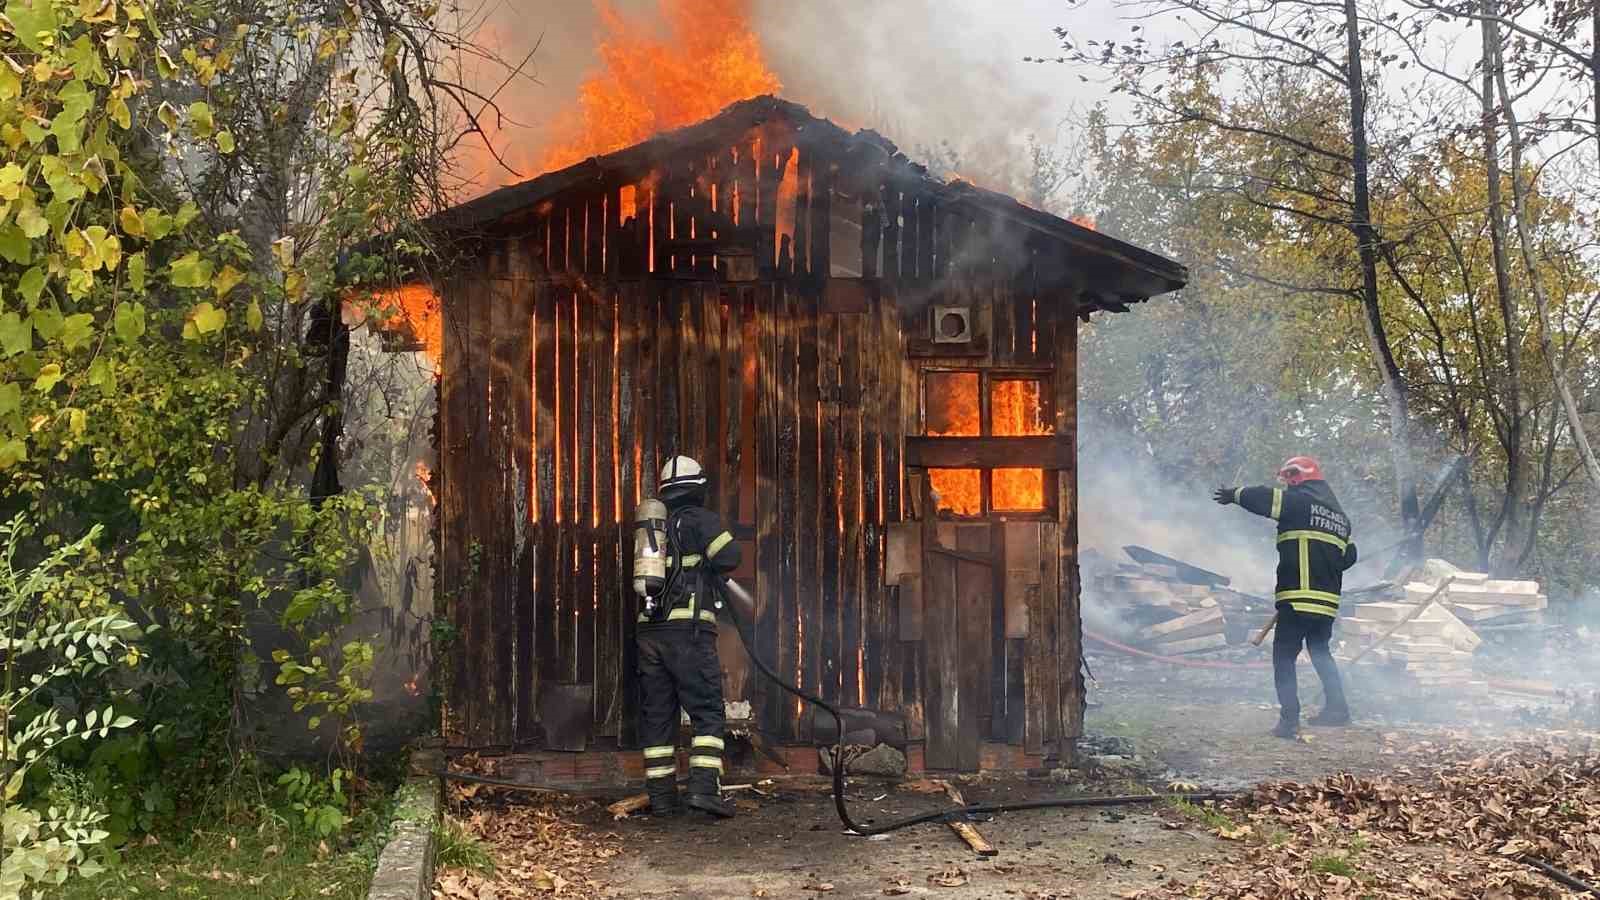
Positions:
(681, 475)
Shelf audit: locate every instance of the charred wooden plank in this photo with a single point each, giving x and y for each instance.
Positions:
(1069, 627)
(748, 188)
(830, 618)
(614, 239)
(586, 312)
(910, 222)
(927, 213)
(733, 396)
(690, 374)
(889, 415)
(709, 324)
(608, 515)
(621, 715)
(996, 294)
(891, 231)
(809, 542)
(1048, 666)
(800, 250)
(789, 574)
(644, 229)
(974, 600)
(477, 625)
(566, 485)
(669, 360)
(1044, 451)
(823, 171)
(996, 650)
(768, 537)
(941, 643)
(511, 393)
(547, 481)
(871, 233)
(594, 235)
(875, 612)
(851, 578)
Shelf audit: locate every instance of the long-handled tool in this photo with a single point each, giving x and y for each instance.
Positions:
(1265, 630)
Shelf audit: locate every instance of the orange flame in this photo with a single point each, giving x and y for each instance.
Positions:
(411, 309)
(1015, 408)
(1085, 220)
(709, 58)
(952, 405)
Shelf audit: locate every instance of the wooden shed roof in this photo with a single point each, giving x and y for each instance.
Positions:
(1125, 273)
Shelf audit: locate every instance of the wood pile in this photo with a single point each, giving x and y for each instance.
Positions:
(1174, 608)
(1437, 647)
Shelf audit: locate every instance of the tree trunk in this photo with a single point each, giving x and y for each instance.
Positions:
(1367, 246)
(1519, 194)
(1516, 487)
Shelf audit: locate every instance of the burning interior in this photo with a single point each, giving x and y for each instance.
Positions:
(876, 368)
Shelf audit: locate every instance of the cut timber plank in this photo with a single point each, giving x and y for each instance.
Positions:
(1199, 624)
(1195, 645)
(627, 805)
(974, 839)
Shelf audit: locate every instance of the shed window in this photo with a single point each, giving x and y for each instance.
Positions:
(982, 403)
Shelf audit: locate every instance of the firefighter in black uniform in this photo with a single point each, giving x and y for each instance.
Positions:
(1314, 550)
(677, 638)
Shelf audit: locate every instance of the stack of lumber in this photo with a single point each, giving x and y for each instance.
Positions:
(1175, 608)
(1434, 648)
(1479, 600)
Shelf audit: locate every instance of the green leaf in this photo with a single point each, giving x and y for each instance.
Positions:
(300, 608)
(129, 323)
(186, 214)
(200, 118)
(14, 246)
(190, 270)
(10, 84)
(226, 280)
(10, 397)
(31, 284)
(101, 374)
(48, 323)
(136, 272)
(77, 420)
(32, 19)
(16, 334)
(225, 142)
(252, 315)
(77, 331)
(157, 224)
(11, 177)
(12, 452)
(49, 376)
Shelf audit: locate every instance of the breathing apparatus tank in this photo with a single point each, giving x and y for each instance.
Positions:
(650, 551)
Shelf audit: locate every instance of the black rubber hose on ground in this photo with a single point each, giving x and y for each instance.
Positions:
(1561, 877)
(936, 815)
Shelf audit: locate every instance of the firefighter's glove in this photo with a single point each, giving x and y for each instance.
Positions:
(1223, 495)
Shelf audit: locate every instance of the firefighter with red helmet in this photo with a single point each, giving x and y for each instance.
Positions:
(677, 636)
(1314, 550)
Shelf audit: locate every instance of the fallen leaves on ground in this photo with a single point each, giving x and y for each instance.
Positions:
(541, 847)
(1457, 830)
(949, 876)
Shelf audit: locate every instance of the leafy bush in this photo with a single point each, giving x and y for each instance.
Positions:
(43, 645)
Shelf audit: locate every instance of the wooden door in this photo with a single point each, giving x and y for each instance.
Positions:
(958, 591)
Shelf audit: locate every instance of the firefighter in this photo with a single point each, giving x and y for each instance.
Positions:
(677, 640)
(1314, 550)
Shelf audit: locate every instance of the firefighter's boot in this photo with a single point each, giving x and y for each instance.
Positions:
(705, 794)
(1288, 729)
(663, 796)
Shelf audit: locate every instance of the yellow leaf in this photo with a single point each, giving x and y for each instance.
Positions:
(283, 252)
(132, 222)
(77, 420)
(252, 315)
(49, 376)
(294, 284)
(226, 280)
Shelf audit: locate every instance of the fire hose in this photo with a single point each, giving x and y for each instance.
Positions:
(740, 595)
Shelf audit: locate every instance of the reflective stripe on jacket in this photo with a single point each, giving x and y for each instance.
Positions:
(703, 549)
(1314, 546)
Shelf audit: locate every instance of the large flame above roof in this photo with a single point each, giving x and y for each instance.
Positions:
(709, 57)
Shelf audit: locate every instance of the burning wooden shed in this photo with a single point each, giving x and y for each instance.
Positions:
(876, 368)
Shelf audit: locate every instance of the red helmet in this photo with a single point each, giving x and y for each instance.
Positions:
(1299, 469)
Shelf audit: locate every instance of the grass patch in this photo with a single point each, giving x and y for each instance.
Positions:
(1205, 815)
(1333, 864)
(1275, 836)
(460, 850)
(246, 855)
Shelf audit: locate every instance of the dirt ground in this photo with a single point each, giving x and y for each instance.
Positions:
(1190, 727)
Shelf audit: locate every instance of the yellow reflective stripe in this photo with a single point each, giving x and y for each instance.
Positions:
(690, 560)
(1237, 493)
(717, 543)
(683, 612)
(1277, 502)
(715, 743)
(657, 752)
(1322, 536)
(1320, 596)
(1305, 564)
(706, 762)
(661, 772)
(1313, 608)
